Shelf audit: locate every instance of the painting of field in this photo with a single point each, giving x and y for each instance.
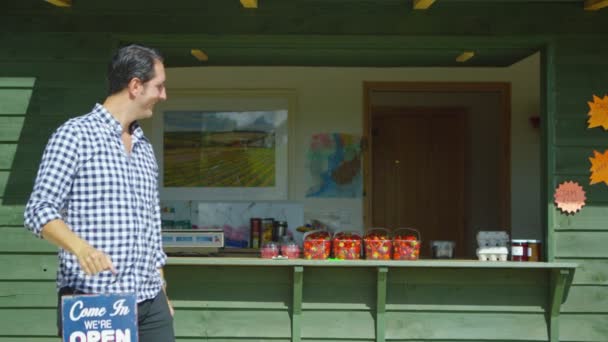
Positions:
(219, 149)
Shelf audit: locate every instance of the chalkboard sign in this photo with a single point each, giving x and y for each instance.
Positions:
(100, 318)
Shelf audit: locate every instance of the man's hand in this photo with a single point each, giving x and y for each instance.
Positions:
(164, 287)
(93, 261)
(171, 310)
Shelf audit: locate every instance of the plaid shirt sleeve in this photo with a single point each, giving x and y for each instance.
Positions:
(54, 180)
(161, 257)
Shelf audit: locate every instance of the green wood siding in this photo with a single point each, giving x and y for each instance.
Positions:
(582, 237)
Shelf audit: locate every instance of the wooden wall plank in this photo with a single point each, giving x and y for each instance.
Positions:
(17, 82)
(573, 95)
(22, 294)
(347, 288)
(581, 244)
(58, 74)
(589, 218)
(28, 339)
(337, 324)
(14, 101)
(37, 130)
(11, 127)
(573, 132)
(17, 183)
(21, 240)
(11, 215)
(417, 340)
(32, 151)
(575, 160)
(28, 322)
(461, 277)
(44, 101)
(28, 267)
(230, 287)
(3, 181)
(7, 155)
(574, 106)
(586, 299)
(587, 328)
(589, 271)
(255, 324)
(464, 298)
(467, 327)
(57, 46)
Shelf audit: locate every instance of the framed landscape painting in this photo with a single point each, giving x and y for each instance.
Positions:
(225, 145)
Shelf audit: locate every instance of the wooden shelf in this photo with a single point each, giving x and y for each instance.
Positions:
(452, 263)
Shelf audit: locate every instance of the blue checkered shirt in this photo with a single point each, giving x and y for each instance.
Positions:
(107, 197)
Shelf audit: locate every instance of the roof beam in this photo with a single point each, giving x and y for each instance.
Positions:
(594, 5)
(423, 4)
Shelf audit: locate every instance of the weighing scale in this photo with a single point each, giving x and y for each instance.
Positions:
(192, 241)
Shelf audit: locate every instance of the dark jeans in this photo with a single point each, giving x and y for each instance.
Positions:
(154, 320)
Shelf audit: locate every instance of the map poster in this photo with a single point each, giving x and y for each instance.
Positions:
(334, 163)
(105, 317)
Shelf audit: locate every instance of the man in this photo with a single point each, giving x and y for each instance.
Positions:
(96, 195)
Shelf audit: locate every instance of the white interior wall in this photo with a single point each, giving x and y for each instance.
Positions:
(331, 100)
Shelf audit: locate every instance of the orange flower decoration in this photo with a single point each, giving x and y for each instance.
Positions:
(570, 197)
(599, 167)
(598, 112)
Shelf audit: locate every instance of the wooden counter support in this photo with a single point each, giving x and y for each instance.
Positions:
(296, 310)
(381, 304)
(560, 278)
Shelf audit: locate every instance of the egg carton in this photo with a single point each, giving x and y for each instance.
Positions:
(492, 253)
(492, 238)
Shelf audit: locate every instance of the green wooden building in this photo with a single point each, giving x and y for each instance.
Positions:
(550, 56)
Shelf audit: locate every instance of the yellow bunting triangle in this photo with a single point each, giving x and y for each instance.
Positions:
(599, 167)
(598, 112)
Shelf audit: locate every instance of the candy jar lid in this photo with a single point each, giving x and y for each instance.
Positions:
(288, 243)
(270, 245)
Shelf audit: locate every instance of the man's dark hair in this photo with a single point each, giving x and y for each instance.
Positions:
(129, 62)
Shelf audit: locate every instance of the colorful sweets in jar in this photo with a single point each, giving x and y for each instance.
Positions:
(347, 246)
(317, 245)
(378, 244)
(406, 244)
(269, 250)
(290, 250)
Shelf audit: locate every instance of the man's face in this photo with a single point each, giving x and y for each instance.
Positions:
(153, 91)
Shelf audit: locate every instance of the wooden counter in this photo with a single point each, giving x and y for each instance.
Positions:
(291, 300)
(435, 263)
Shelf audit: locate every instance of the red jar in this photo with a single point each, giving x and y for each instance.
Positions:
(290, 250)
(317, 245)
(519, 250)
(347, 246)
(269, 250)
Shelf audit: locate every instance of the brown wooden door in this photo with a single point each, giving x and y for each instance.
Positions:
(418, 169)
